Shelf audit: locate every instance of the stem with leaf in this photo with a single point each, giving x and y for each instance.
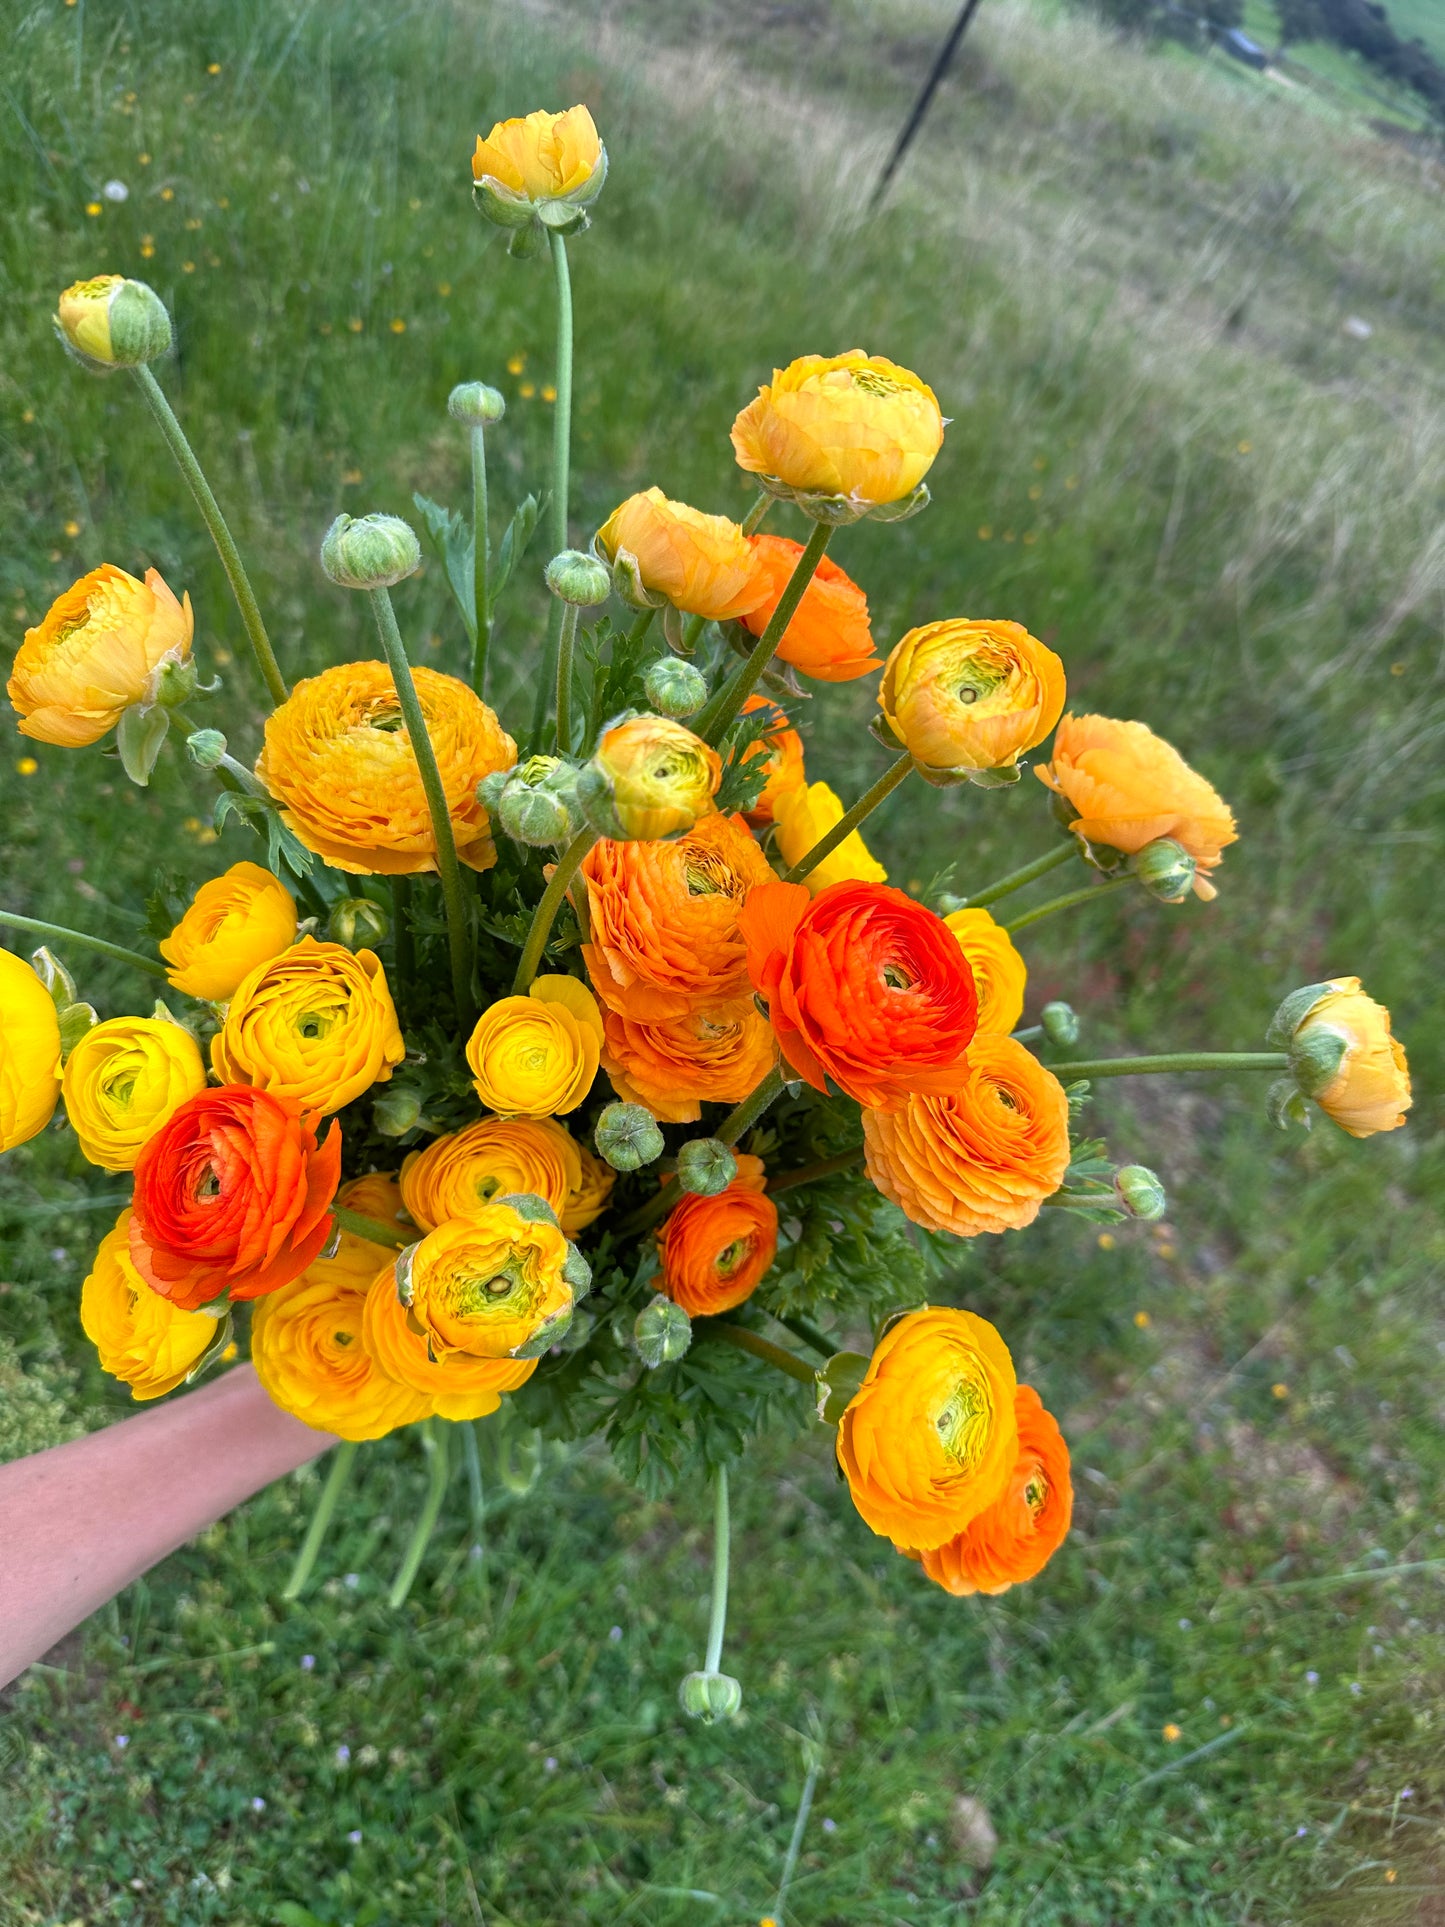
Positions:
(729, 700)
(341, 1463)
(850, 819)
(9, 919)
(545, 913)
(434, 1444)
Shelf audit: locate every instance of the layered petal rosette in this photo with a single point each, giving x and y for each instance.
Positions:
(123, 1079)
(999, 972)
(29, 1053)
(1013, 1539)
(496, 1157)
(457, 1386)
(715, 1251)
(663, 551)
(140, 1338)
(235, 923)
(542, 166)
(498, 1283)
(971, 696)
(828, 638)
(98, 650)
(803, 817)
(674, 1066)
(536, 1056)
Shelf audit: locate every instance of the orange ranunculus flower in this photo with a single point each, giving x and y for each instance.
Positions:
(699, 563)
(121, 1082)
(142, 1338)
(783, 748)
(315, 1024)
(495, 1284)
(1344, 1056)
(649, 778)
(1013, 1539)
(495, 1158)
(931, 1438)
(232, 1197)
(828, 638)
(234, 923)
(29, 1053)
(999, 972)
(971, 695)
(852, 425)
(982, 1156)
(715, 1251)
(543, 157)
(677, 1064)
(457, 1386)
(863, 986)
(1128, 787)
(307, 1341)
(99, 648)
(589, 1199)
(803, 817)
(338, 760)
(664, 937)
(536, 1056)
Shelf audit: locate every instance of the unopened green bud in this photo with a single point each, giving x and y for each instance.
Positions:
(1060, 1025)
(395, 1110)
(628, 1137)
(674, 688)
(492, 787)
(1165, 868)
(110, 323)
(710, 1697)
(175, 682)
(1140, 1192)
(206, 748)
(661, 1332)
(575, 577)
(370, 551)
(705, 1166)
(475, 405)
(358, 923)
(534, 817)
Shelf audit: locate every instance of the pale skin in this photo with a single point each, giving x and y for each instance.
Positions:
(79, 1522)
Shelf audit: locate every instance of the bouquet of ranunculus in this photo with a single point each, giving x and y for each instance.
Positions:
(480, 1077)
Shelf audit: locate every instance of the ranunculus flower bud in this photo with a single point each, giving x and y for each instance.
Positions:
(206, 748)
(538, 818)
(111, 323)
(578, 578)
(359, 923)
(1343, 1055)
(1140, 1192)
(649, 777)
(235, 922)
(710, 1697)
(1166, 869)
(97, 652)
(970, 697)
(396, 1110)
(475, 405)
(664, 551)
(29, 1053)
(543, 169)
(661, 1333)
(1060, 1023)
(493, 1284)
(123, 1080)
(627, 1137)
(370, 551)
(141, 1338)
(675, 688)
(536, 1055)
(705, 1166)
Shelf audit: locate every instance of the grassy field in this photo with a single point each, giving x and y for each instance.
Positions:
(1127, 276)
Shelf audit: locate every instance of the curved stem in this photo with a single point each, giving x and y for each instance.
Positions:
(735, 692)
(795, 1844)
(220, 534)
(753, 520)
(472, 1459)
(1180, 1060)
(850, 819)
(561, 465)
(372, 1229)
(114, 950)
(565, 647)
(807, 1173)
(746, 1114)
(721, 1550)
(545, 913)
(1016, 879)
(1090, 893)
(744, 1340)
(481, 562)
(341, 1464)
(436, 802)
(434, 1443)
(810, 1335)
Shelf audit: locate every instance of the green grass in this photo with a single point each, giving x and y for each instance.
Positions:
(1126, 276)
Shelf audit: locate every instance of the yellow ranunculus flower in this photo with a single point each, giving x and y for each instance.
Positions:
(1348, 1061)
(315, 1024)
(543, 157)
(307, 1341)
(235, 922)
(141, 1337)
(111, 322)
(536, 1056)
(648, 778)
(495, 1158)
(971, 695)
(702, 564)
(589, 1200)
(29, 1052)
(851, 425)
(494, 1284)
(999, 972)
(99, 648)
(801, 817)
(457, 1386)
(122, 1082)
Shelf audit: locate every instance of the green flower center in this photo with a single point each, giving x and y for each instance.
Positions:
(965, 1422)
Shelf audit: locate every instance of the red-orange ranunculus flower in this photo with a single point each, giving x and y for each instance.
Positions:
(1014, 1538)
(232, 1197)
(716, 1250)
(863, 985)
(828, 638)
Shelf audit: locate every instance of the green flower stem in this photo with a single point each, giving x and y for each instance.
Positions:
(691, 630)
(810, 1335)
(726, 704)
(1180, 1060)
(721, 1550)
(220, 534)
(742, 1339)
(1090, 893)
(561, 464)
(371, 1229)
(1016, 879)
(753, 520)
(9, 917)
(472, 1459)
(545, 913)
(434, 1444)
(795, 1844)
(640, 628)
(403, 937)
(481, 562)
(850, 819)
(566, 644)
(807, 1173)
(1030, 1034)
(458, 940)
(745, 1115)
(341, 1463)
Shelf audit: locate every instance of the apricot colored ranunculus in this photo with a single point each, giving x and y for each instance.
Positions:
(701, 564)
(543, 157)
(804, 817)
(982, 1156)
(495, 1284)
(315, 1024)
(649, 777)
(232, 1197)
(458, 1386)
(677, 1064)
(715, 1251)
(999, 972)
(495, 1158)
(782, 749)
(971, 695)
(663, 917)
(1128, 787)
(1346, 1058)
(852, 425)
(98, 649)
(863, 986)
(1013, 1539)
(591, 1195)
(141, 1338)
(29, 1053)
(338, 760)
(123, 1079)
(234, 923)
(536, 1056)
(931, 1438)
(828, 637)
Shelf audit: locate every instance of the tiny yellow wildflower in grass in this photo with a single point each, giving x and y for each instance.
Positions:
(398, 326)
(1397, 669)
(147, 250)
(214, 68)
(1142, 1320)
(1036, 492)
(985, 534)
(27, 766)
(356, 324)
(168, 193)
(1041, 462)
(72, 529)
(1173, 1732)
(92, 208)
(444, 288)
(1167, 1251)
(193, 222)
(515, 364)
(549, 393)
(1107, 1241)
(527, 390)
(1281, 1390)
(1245, 447)
(1071, 481)
(142, 160)
(188, 267)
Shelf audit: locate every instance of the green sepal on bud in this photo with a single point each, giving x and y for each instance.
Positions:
(1292, 1013)
(206, 748)
(1060, 1025)
(357, 922)
(578, 1273)
(839, 511)
(538, 818)
(710, 1697)
(1315, 1057)
(476, 405)
(838, 1384)
(705, 1166)
(139, 736)
(1140, 1192)
(528, 1205)
(370, 551)
(111, 322)
(661, 1333)
(675, 689)
(396, 1109)
(627, 1136)
(1165, 868)
(74, 1017)
(578, 578)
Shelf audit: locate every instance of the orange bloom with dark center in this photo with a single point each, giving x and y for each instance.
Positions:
(783, 748)
(664, 920)
(981, 1156)
(232, 1197)
(828, 638)
(1015, 1538)
(863, 985)
(678, 1064)
(715, 1251)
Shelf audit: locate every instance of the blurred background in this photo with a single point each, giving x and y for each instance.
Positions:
(1177, 278)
